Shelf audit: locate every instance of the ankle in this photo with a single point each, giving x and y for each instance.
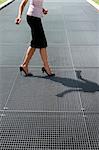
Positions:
(24, 65)
(46, 65)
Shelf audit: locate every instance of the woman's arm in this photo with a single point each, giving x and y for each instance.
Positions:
(20, 11)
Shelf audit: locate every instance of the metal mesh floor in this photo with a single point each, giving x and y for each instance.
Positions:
(36, 130)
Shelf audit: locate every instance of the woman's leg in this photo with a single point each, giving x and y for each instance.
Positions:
(28, 56)
(44, 57)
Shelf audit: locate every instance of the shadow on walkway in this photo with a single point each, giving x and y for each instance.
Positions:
(82, 85)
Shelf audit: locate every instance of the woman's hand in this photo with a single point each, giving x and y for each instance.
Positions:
(45, 11)
(18, 20)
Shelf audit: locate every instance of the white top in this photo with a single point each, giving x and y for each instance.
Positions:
(35, 8)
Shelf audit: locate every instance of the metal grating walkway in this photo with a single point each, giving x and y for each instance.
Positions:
(52, 130)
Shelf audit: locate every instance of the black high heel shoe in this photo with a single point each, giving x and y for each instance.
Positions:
(50, 75)
(26, 74)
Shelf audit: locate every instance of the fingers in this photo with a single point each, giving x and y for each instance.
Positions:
(45, 11)
(17, 20)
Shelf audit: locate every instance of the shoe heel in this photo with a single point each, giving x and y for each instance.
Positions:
(43, 69)
(21, 69)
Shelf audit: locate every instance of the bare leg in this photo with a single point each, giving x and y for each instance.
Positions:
(44, 57)
(28, 56)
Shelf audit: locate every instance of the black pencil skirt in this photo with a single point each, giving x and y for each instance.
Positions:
(38, 35)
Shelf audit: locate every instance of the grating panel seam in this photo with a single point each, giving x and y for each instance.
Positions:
(82, 109)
